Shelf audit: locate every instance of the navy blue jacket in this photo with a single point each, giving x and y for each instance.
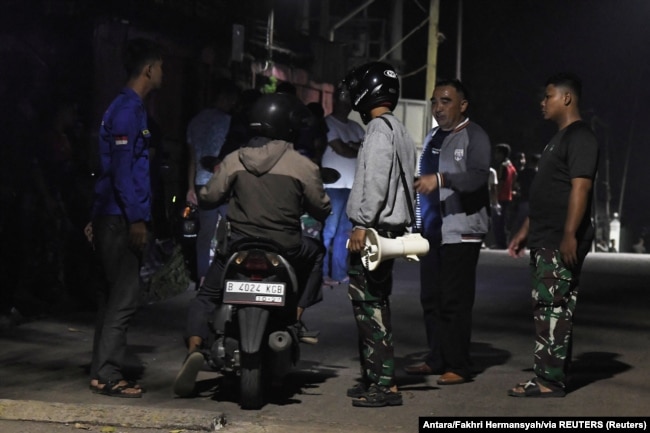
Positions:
(123, 186)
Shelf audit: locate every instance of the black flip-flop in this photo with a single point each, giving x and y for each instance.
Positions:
(114, 389)
(130, 384)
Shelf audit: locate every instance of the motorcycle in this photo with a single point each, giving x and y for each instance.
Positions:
(254, 341)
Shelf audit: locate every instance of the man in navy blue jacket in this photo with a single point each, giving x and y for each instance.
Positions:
(121, 215)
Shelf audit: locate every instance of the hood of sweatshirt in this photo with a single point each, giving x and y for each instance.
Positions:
(260, 155)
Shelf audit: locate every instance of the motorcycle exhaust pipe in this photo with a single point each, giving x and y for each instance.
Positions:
(279, 341)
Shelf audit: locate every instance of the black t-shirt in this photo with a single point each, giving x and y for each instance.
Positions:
(525, 180)
(571, 153)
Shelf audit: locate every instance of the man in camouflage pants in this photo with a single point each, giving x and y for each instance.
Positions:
(378, 200)
(559, 234)
(369, 293)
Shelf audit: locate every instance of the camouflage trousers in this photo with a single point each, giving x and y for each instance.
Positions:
(555, 291)
(369, 293)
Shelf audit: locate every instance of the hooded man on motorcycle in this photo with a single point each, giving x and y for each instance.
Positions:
(268, 186)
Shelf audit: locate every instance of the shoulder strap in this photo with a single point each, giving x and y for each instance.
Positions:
(403, 176)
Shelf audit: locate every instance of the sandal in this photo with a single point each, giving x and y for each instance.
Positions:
(532, 389)
(130, 384)
(117, 389)
(378, 396)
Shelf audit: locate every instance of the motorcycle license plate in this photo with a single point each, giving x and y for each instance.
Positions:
(251, 292)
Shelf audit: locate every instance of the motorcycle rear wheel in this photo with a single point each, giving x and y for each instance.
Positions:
(250, 384)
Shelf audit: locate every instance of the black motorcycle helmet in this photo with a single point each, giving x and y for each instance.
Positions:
(278, 116)
(372, 85)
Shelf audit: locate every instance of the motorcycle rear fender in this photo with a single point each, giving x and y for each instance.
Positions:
(252, 326)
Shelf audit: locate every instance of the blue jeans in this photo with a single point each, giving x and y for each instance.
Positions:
(336, 232)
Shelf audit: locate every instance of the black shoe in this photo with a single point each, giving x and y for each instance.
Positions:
(186, 378)
(358, 390)
(378, 396)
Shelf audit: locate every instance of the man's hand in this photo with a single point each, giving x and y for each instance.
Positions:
(517, 246)
(357, 241)
(138, 236)
(569, 250)
(426, 184)
(190, 197)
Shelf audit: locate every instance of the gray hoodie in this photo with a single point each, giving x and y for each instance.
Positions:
(269, 186)
(377, 198)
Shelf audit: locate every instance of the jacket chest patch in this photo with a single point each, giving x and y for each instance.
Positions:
(459, 154)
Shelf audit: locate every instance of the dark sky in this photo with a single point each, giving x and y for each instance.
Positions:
(510, 47)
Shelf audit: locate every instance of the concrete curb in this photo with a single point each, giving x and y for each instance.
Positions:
(124, 416)
(144, 418)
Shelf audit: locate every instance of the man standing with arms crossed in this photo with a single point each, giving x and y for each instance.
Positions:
(559, 234)
(121, 214)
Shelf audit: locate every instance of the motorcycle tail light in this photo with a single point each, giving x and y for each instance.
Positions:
(256, 263)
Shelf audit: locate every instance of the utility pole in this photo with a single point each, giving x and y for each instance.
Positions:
(459, 44)
(432, 51)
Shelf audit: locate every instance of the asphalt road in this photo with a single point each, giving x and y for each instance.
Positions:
(44, 383)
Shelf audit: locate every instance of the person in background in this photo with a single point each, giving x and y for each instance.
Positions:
(380, 199)
(206, 135)
(519, 161)
(524, 180)
(238, 133)
(507, 174)
(121, 215)
(495, 207)
(559, 234)
(344, 137)
(457, 191)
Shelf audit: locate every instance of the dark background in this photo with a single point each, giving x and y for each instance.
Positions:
(52, 50)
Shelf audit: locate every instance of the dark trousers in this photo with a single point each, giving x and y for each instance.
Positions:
(307, 261)
(453, 305)
(501, 225)
(429, 290)
(118, 299)
(208, 217)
